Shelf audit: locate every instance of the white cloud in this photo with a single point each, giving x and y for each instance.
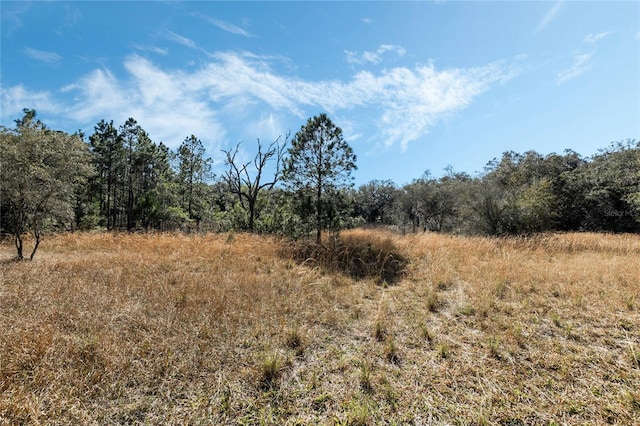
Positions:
(373, 57)
(417, 100)
(409, 102)
(153, 49)
(15, 99)
(267, 127)
(98, 94)
(158, 100)
(548, 17)
(581, 64)
(367, 21)
(41, 55)
(592, 38)
(187, 42)
(243, 91)
(72, 15)
(13, 13)
(228, 27)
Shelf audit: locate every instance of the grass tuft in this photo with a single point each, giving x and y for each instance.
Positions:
(434, 302)
(391, 352)
(294, 339)
(365, 379)
(443, 351)
(270, 370)
(380, 331)
(426, 333)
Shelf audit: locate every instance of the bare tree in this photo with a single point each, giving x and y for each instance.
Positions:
(246, 179)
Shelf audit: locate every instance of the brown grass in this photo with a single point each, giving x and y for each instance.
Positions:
(221, 329)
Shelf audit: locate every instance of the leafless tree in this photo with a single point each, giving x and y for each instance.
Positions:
(246, 179)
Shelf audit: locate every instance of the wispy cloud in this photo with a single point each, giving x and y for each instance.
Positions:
(187, 42)
(548, 17)
(15, 99)
(12, 14)
(581, 64)
(244, 91)
(228, 27)
(367, 21)
(592, 38)
(153, 49)
(41, 55)
(161, 101)
(72, 15)
(373, 57)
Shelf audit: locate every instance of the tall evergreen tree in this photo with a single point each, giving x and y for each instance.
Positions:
(144, 160)
(109, 163)
(319, 165)
(194, 169)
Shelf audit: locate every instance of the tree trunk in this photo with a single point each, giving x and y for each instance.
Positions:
(130, 207)
(252, 208)
(18, 243)
(319, 214)
(36, 234)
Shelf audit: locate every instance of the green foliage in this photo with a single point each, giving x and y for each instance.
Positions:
(277, 215)
(127, 181)
(41, 172)
(610, 198)
(194, 169)
(133, 183)
(319, 166)
(374, 201)
(525, 193)
(108, 159)
(536, 206)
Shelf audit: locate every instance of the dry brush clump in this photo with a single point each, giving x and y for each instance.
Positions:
(357, 253)
(222, 329)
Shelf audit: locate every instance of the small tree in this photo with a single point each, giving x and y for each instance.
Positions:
(40, 171)
(247, 184)
(320, 164)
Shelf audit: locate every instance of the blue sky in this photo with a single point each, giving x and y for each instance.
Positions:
(414, 86)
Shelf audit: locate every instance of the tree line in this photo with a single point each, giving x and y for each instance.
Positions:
(119, 179)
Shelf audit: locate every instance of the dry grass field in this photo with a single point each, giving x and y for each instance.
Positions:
(225, 329)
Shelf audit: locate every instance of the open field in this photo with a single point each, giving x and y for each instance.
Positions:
(224, 329)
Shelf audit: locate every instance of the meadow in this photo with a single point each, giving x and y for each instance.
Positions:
(105, 328)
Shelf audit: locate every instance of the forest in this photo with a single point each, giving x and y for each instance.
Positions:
(117, 178)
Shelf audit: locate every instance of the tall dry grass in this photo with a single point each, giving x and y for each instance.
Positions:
(222, 329)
